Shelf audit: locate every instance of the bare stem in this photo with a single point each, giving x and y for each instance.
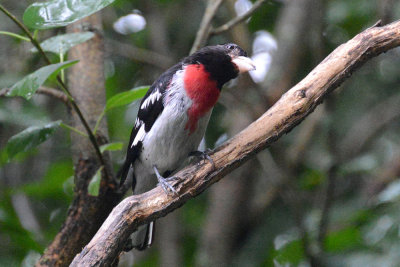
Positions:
(57, 94)
(204, 30)
(139, 54)
(15, 35)
(66, 126)
(230, 24)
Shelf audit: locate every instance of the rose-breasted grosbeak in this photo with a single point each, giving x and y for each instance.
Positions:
(173, 117)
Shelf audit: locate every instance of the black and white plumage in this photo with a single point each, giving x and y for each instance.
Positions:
(173, 117)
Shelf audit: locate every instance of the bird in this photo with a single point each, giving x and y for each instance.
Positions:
(172, 120)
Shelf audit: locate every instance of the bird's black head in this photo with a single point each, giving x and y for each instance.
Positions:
(234, 50)
(223, 62)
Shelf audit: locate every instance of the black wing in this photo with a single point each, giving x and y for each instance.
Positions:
(150, 108)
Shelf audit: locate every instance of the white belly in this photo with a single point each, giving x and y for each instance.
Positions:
(167, 154)
(168, 144)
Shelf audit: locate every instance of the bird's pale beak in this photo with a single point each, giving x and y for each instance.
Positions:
(244, 64)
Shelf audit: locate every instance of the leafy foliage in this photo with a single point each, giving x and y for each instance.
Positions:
(125, 98)
(94, 184)
(29, 84)
(30, 138)
(58, 13)
(62, 43)
(111, 147)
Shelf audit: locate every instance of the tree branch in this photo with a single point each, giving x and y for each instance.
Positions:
(44, 91)
(232, 23)
(368, 126)
(204, 30)
(288, 112)
(139, 54)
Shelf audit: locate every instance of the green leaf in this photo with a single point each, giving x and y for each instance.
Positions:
(94, 184)
(30, 83)
(111, 147)
(342, 240)
(62, 43)
(58, 13)
(292, 253)
(125, 98)
(30, 138)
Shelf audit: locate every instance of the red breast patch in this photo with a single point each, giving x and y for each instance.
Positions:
(202, 90)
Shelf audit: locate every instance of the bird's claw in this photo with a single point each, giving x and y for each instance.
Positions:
(164, 182)
(167, 187)
(203, 155)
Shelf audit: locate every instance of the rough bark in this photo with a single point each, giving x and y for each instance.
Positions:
(288, 112)
(86, 213)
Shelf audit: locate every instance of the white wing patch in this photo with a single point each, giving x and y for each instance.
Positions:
(137, 122)
(140, 134)
(151, 99)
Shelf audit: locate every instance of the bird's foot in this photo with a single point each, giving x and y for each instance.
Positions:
(164, 182)
(203, 155)
(128, 245)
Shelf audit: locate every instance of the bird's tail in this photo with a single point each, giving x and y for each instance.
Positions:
(143, 237)
(123, 171)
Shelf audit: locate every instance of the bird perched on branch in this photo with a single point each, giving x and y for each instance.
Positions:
(173, 117)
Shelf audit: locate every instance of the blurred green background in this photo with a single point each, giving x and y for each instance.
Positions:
(326, 194)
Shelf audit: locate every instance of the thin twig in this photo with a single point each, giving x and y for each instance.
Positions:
(92, 138)
(26, 31)
(66, 126)
(373, 121)
(204, 30)
(54, 93)
(15, 36)
(57, 94)
(139, 54)
(230, 24)
(326, 206)
(329, 191)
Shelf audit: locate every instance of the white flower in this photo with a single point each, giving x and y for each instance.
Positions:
(242, 6)
(264, 45)
(130, 24)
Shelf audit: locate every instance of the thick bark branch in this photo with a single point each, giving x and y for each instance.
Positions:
(288, 112)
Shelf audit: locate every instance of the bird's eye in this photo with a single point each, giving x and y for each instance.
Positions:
(230, 46)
